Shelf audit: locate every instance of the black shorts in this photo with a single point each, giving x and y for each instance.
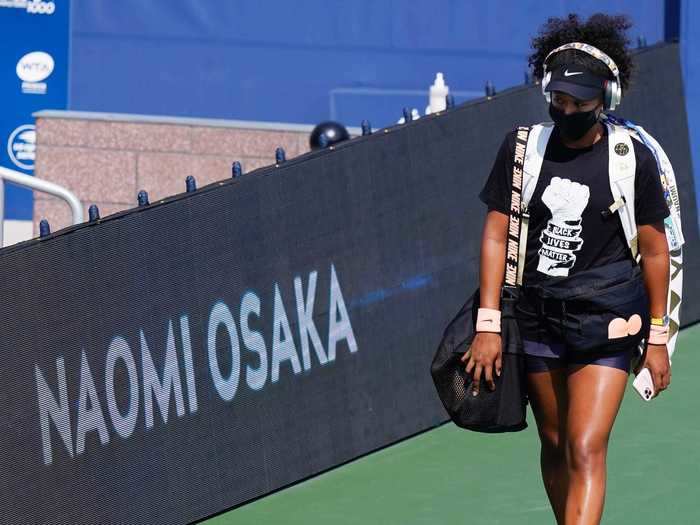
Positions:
(541, 356)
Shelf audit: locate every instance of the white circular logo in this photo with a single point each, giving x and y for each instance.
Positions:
(35, 66)
(21, 146)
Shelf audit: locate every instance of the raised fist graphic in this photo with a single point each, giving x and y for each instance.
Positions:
(565, 199)
(560, 239)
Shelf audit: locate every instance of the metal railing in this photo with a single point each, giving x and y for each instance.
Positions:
(36, 184)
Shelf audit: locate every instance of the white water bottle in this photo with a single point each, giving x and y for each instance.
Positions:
(438, 95)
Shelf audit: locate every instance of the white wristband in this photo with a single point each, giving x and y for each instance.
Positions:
(658, 335)
(488, 320)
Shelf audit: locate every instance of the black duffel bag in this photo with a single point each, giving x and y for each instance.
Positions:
(500, 410)
(504, 408)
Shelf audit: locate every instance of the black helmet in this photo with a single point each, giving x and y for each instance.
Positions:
(327, 133)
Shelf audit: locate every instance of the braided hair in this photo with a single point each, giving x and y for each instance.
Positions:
(606, 32)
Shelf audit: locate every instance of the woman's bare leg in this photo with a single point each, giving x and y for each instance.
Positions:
(595, 395)
(547, 392)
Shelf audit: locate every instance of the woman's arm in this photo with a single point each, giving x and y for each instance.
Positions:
(493, 257)
(484, 354)
(653, 248)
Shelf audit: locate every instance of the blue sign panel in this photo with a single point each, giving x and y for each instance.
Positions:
(33, 76)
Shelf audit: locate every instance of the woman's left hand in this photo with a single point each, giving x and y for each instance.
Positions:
(655, 358)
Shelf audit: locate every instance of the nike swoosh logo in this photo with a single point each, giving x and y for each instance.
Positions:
(567, 74)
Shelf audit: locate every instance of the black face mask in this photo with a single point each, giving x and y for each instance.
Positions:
(575, 125)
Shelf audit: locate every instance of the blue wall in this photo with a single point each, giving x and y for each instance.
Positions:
(308, 60)
(690, 62)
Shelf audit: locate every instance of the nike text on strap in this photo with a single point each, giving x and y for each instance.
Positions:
(512, 268)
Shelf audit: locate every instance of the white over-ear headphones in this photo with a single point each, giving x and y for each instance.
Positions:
(612, 91)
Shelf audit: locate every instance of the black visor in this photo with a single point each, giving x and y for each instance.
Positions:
(576, 81)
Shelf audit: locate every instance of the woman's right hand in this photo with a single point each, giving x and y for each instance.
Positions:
(484, 357)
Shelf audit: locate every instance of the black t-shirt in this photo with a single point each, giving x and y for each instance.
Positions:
(567, 232)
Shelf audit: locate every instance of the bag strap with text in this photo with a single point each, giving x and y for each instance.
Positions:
(518, 218)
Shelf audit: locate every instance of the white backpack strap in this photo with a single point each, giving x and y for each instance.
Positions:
(534, 155)
(674, 232)
(621, 169)
(674, 235)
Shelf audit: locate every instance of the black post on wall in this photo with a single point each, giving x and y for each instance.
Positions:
(672, 20)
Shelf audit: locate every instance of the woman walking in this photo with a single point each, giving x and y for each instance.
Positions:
(576, 241)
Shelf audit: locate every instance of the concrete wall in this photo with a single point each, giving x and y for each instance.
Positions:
(105, 159)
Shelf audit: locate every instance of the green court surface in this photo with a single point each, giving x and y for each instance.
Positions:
(448, 475)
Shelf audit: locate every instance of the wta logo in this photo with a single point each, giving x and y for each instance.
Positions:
(32, 69)
(35, 66)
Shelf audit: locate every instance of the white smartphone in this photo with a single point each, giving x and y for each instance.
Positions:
(644, 385)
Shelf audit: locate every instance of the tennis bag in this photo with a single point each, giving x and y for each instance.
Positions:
(600, 310)
(501, 410)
